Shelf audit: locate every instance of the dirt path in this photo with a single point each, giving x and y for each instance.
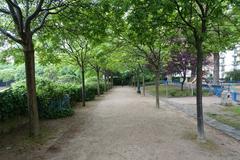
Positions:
(127, 126)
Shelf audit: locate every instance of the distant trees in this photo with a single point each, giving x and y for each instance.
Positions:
(145, 30)
(180, 63)
(233, 75)
(77, 48)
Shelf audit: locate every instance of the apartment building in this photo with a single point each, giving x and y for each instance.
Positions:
(229, 61)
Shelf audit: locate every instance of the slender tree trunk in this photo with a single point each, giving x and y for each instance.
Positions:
(83, 86)
(31, 87)
(105, 83)
(200, 122)
(157, 84)
(108, 82)
(193, 72)
(111, 80)
(216, 68)
(184, 79)
(138, 84)
(133, 81)
(143, 84)
(98, 81)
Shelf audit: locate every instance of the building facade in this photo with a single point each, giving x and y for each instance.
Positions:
(229, 61)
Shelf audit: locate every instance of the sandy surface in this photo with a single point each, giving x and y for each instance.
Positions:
(121, 125)
(126, 126)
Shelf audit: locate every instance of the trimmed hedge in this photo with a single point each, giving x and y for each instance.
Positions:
(12, 103)
(54, 99)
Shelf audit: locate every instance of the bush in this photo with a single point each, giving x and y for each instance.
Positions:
(54, 99)
(53, 102)
(12, 104)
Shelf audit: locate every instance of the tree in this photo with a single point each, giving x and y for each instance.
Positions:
(144, 28)
(96, 59)
(100, 59)
(224, 36)
(195, 19)
(77, 48)
(180, 63)
(25, 19)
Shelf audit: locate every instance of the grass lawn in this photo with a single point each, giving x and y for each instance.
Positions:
(230, 116)
(173, 91)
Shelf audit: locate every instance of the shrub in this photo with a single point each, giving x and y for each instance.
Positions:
(54, 99)
(12, 103)
(53, 102)
(91, 91)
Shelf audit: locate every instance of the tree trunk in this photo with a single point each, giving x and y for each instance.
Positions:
(108, 82)
(83, 86)
(98, 81)
(184, 79)
(138, 84)
(105, 83)
(200, 122)
(157, 84)
(133, 81)
(111, 80)
(193, 72)
(143, 84)
(31, 87)
(216, 68)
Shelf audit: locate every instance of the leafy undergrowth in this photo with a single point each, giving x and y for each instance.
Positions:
(207, 145)
(174, 91)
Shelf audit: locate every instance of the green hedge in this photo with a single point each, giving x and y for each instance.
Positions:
(12, 103)
(54, 99)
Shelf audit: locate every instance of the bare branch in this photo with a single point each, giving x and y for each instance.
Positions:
(13, 13)
(201, 8)
(11, 36)
(180, 14)
(35, 13)
(47, 12)
(41, 24)
(4, 11)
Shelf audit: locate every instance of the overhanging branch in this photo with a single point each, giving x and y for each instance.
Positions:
(11, 36)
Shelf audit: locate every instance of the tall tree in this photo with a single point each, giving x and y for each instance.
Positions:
(19, 21)
(77, 48)
(144, 29)
(98, 60)
(195, 18)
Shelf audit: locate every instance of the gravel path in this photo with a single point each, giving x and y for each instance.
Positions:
(125, 126)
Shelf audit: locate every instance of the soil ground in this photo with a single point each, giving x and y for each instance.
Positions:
(121, 125)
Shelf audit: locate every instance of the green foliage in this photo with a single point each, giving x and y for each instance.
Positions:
(12, 103)
(54, 99)
(233, 75)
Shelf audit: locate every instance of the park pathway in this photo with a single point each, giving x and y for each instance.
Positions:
(123, 125)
